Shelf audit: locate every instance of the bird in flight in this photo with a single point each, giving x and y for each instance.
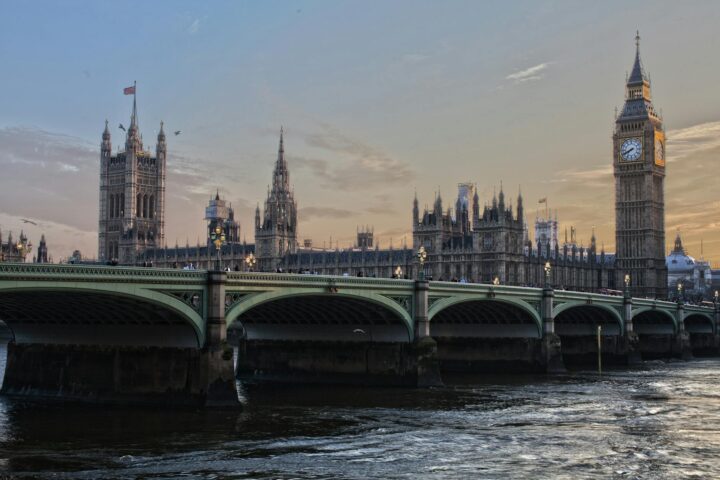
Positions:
(122, 128)
(177, 132)
(25, 220)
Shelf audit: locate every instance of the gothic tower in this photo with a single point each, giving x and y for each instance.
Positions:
(639, 167)
(132, 196)
(276, 235)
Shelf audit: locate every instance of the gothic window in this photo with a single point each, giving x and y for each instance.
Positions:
(122, 204)
(145, 206)
(138, 206)
(112, 206)
(151, 213)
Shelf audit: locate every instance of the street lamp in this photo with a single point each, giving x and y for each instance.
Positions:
(398, 272)
(250, 261)
(217, 236)
(24, 249)
(496, 281)
(627, 284)
(547, 269)
(717, 294)
(422, 256)
(679, 290)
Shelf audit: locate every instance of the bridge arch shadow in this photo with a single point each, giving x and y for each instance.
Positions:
(699, 323)
(582, 319)
(97, 316)
(649, 321)
(485, 318)
(326, 317)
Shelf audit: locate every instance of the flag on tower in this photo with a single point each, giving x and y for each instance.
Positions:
(129, 90)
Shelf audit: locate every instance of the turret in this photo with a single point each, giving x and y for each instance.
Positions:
(257, 217)
(106, 146)
(520, 209)
(501, 200)
(476, 209)
(438, 209)
(161, 140)
(416, 211)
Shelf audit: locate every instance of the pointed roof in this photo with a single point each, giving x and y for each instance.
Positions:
(637, 76)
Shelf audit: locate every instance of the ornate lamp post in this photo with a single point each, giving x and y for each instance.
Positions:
(398, 272)
(217, 236)
(24, 249)
(496, 281)
(716, 297)
(422, 256)
(548, 269)
(679, 290)
(250, 262)
(627, 284)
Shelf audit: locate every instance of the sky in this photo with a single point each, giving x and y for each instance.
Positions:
(378, 100)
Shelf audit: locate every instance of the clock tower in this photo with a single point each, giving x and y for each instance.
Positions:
(639, 168)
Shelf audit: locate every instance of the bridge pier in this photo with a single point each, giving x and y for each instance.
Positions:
(551, 348)
(630, 340)
(425, 347)
(682, 348)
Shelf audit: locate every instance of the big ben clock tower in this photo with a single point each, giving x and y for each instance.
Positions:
(639, 167)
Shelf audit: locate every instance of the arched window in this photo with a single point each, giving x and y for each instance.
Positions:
(145, 206)
(152, 207)
(112, 206)
(138, 206)
(122, 205)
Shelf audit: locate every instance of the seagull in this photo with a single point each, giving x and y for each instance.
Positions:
(177, 132)
(122, 128)
(25, 220)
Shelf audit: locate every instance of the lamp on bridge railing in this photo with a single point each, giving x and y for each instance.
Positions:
(716, 297)
(24, 249)
(422, 256)
(496, 281)
(250, 262)
(398, 272)
(679, 290)
(217, 236)
(627, 284)
(547, 269)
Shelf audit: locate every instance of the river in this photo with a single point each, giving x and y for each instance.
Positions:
(658, 420)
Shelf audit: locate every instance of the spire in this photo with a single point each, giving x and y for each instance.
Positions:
(106, 132)
(281, 181)
(501, 197)
(161, 134)
(678, 244)
(637, 75)
(217, 194)
(133, 118)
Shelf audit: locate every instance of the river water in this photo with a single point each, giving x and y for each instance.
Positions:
(658, 420)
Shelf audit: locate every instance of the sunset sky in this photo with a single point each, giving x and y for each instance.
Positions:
(378, 100)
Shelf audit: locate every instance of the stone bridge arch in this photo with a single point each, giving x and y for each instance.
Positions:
(582, 319)
(312, 315)
(87, 313)
(696, 322)
(484, 317)
(654, 321)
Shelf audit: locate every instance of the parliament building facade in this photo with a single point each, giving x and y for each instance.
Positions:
(463, 242)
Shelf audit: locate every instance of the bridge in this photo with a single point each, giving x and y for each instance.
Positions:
(147, 335)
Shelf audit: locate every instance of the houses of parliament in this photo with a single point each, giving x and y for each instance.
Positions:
(463, 241)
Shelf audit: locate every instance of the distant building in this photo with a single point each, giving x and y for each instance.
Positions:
(14, 251)
(132, 196)
(219, 211)
(695, 276)
(42, 253)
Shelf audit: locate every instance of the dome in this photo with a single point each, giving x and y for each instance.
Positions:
(679, 262)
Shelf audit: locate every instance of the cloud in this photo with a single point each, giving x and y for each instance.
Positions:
(685, 142)
(413, 58)
(308, 213)
(355, 165)
(529, 74)
(194, 27)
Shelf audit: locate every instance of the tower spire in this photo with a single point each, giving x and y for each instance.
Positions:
(133, 118)
(637, 75)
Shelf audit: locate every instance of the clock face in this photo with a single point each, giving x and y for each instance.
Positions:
(659, 152)
(631, 149)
